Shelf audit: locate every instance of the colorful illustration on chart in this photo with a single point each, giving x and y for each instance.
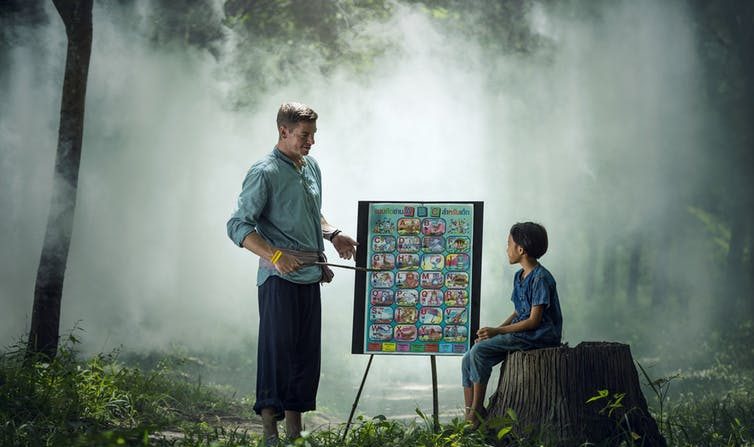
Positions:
(454, 333)
(432, 280)
(381, 314)
(406, 297)
(383, 226)
(383, 244)
(457, 280)
(383, 332)
(408, 226)
(384, 261)
(433, 262)
(407, 280)
(409, 244)
(433, 244)
(406, 315)
(456, 297)
(430, 332)
(431, 298)
(430, 315)
(458, 261)
(408, 261)
(459, 226)
(382, 297)
(419, 293)
(459, 244)
(382, 279)
(405, 332)
(455, 315)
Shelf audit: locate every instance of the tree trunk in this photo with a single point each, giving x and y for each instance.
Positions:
(734, 279)
(591, 266)
(659, 288)
(610, 273)
(634, 264)
(749, 300)
(45, 317)
(548, 390)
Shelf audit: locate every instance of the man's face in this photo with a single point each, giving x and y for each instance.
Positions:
(297, 141)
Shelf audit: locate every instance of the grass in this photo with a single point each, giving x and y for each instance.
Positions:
(67, 401)
(105, 401)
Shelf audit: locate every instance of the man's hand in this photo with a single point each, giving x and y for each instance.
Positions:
(287, 264)
(487, 332)
(344, 245)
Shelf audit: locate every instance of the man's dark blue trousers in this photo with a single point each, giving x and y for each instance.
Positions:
(288, 354)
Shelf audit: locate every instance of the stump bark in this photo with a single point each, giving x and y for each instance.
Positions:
(548, 390)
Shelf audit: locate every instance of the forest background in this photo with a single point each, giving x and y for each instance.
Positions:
(622, 126)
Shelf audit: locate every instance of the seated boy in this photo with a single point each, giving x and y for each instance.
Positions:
(536, 321)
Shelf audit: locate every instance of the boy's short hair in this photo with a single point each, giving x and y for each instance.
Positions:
(292, 113)
(532, 237)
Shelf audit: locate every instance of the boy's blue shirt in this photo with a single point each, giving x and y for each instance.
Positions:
(538, 288)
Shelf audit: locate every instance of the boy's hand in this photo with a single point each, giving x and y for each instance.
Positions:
(486, 332)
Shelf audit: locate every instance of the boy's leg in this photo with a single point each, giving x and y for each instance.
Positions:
(482, 357)
(477, 404)
(468, 397)
(468, 392)
(474, 385)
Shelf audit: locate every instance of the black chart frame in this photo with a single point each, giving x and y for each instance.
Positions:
(360, 283)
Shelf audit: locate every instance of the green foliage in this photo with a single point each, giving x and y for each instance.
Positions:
(611, 403)
(66, 400)
(187, 23)
(278, 42)
(380, 431)
(102, 401)
(717, 420)
(706, 418)
(718, 231)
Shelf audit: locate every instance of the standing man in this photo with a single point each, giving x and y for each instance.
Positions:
(278, 218)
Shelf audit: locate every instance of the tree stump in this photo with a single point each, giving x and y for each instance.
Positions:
(548, 390)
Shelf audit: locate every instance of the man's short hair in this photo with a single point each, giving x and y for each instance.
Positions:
(292, 113)
(532, 237)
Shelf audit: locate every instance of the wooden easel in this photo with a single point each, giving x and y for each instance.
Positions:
(435, 405)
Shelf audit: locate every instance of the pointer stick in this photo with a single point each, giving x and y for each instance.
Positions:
(361, 269)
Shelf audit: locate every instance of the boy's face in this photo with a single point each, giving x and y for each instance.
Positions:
(515, 251)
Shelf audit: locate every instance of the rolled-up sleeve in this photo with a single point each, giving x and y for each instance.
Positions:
(251, 202)
(541, 292)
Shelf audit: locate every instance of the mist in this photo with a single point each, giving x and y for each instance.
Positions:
(602, 133)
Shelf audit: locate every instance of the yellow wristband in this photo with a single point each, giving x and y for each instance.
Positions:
(276, 256)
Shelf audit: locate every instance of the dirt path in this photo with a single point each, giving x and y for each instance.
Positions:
(312, 421)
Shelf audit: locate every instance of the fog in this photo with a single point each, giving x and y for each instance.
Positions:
(595, 135)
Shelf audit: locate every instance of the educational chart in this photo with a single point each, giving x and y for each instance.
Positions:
(421, 296)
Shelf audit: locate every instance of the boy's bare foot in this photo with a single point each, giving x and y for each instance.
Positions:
(475, 417)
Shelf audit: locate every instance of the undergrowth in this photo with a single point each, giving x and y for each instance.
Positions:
(67, 401)
(103, 401)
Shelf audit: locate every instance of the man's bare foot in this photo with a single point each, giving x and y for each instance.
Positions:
(271, 441)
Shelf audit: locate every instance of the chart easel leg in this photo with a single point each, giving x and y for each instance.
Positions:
(358, 395)
(435, 404)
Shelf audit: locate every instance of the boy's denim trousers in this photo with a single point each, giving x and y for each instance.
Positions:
(477, 363)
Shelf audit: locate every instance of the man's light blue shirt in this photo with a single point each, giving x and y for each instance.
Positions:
(283, 205)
